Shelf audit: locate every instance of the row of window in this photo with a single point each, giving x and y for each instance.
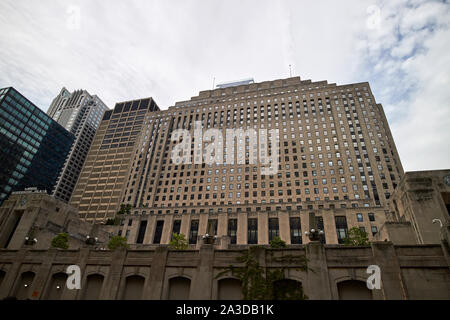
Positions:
(252, 229)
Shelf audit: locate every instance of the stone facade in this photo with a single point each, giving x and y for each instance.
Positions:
(131, 223)
(150, 271)
(423, 199)
(407, 272)
(36, 215)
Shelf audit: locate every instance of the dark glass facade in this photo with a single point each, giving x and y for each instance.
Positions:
(33, 147)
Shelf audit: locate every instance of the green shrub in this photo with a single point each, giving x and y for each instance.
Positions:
(277, 243)
(356, 237)
(178, 242)
(113, 222)
(124, 209)
(117, 242)
(259, 283)
(61, 241)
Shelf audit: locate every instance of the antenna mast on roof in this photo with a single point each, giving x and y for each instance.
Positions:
(290, 71)
(214, 82)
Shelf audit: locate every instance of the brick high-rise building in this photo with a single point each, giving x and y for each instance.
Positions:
(80, 113)
(337, 159)
(102, 182)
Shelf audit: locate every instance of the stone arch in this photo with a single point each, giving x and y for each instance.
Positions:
(229, 289)
(288, 289)
(354, 290)
(179, 288)
(93, 286)
(98, 272)
(134, 286)
(133, 272)
(347, 277)
(56, 286)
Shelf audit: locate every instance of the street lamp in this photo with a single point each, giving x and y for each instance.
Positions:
(29, 241)
(314, 235)
(91, 241)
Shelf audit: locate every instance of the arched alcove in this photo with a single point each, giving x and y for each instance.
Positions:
(93, 287)
(354, 290)
(134, 286)
(56, 286)
(23, 289)
(288, 289)
(229, 289)
(179, 288)
(2, 276)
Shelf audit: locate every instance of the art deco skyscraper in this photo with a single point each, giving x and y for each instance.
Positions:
(80, 113)
(337, 160)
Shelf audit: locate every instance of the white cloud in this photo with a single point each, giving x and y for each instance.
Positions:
(409, 68)
(170, 50)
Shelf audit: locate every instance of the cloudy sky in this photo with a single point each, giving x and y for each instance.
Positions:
(170, 50)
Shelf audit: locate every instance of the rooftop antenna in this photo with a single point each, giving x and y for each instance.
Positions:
(214, 82)
(290, 71)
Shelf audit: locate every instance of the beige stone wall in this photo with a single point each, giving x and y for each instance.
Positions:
(40, 216)
(158, 273)
(420, 198)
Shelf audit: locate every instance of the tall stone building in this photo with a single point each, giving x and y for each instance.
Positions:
(80, 113)
(337, 159)
(108, 165)
(33, 147)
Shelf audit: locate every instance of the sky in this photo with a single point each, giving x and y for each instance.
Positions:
(171, 50)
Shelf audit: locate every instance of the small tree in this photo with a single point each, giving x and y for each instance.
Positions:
(117, 242)
(61, 241)
(277, 243)
(356, 237)
(178, 242)
(260, 283)
(124, 209)
(113, 222)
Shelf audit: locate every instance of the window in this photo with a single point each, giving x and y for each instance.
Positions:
(232, 229)
(374, 230)
(141, 233)
(296, 230)
(252, 235)
(320, 226)
(193, 233)
(176, 227)
(359, 217)
(371, 217)
(158, 231)
(341, 228)
(273, 228)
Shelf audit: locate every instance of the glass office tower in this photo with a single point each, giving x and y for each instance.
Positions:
(33, 147)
